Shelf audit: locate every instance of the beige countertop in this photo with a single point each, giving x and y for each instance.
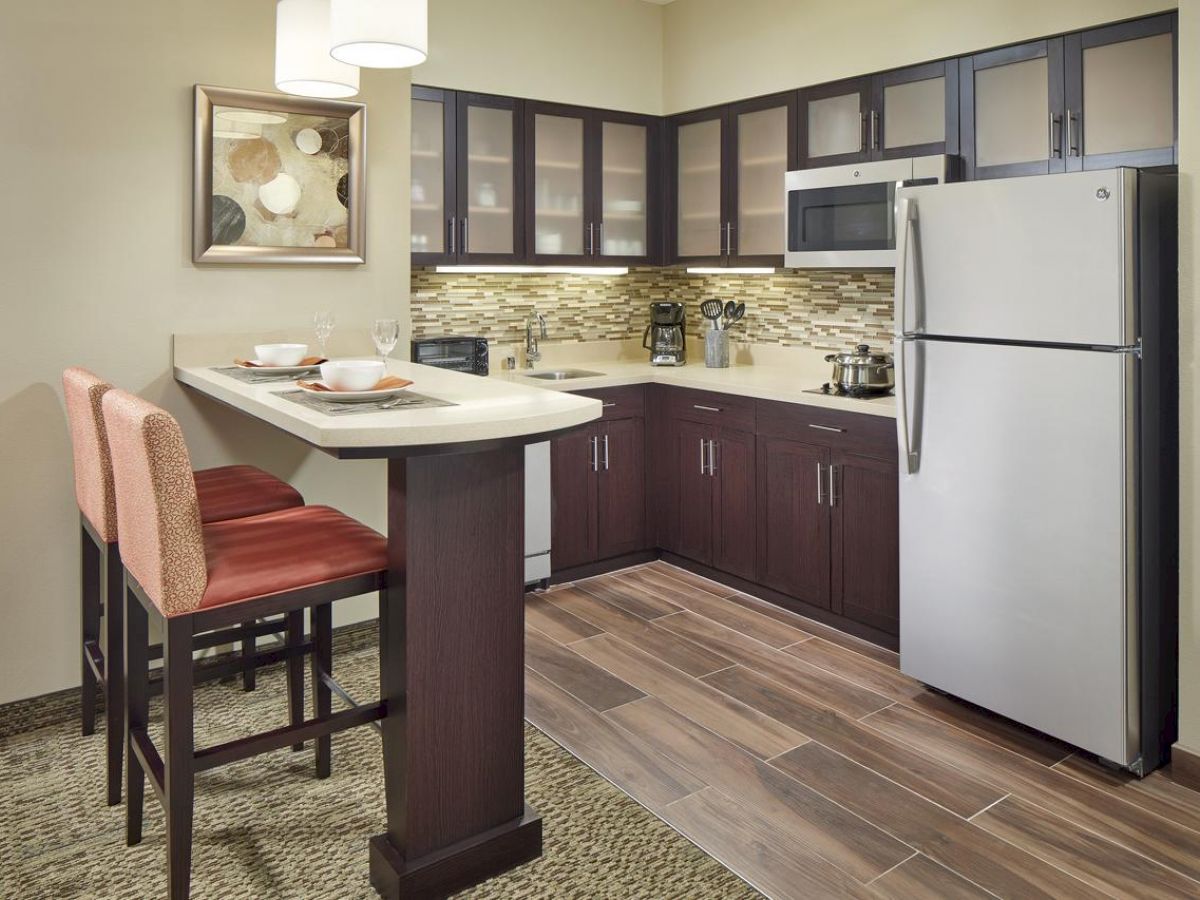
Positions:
(777, 379)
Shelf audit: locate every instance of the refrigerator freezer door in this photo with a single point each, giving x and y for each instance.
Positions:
(1046, 259)
(1017, 554)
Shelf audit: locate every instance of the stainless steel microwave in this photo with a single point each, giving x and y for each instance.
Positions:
(844, 216)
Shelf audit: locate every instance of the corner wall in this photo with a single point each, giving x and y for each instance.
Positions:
(96, 270)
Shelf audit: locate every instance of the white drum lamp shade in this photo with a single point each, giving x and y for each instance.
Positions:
(380, 34)
(303, 65)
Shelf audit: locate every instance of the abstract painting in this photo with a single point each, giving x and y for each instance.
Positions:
(278, 179)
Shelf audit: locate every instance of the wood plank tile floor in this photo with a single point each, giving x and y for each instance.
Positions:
(807, 763)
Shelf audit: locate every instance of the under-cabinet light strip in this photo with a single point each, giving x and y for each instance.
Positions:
(729, 270)
(534, 270)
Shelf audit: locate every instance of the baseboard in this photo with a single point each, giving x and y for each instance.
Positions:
(604, 566)
(1184, 768)
(62, 706)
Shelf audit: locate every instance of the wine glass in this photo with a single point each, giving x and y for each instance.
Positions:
(323, 323)
(385, 333)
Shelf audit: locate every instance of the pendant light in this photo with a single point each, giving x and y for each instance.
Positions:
(302, 62)
(380, 34)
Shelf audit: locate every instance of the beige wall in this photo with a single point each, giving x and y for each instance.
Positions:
(716, 51)
(1189, 353)
(605, 53)
(95, 269)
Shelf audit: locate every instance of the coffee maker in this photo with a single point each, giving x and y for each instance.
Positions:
(664, 336)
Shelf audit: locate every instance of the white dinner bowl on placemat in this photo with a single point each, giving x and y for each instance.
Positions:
(356, 375)
(279, 354)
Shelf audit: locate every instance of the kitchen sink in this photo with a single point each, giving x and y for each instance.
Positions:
(562, 374)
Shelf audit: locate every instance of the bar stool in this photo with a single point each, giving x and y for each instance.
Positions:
(190, 578)
(227, 492)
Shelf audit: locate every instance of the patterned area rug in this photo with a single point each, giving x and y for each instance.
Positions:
(265, 828)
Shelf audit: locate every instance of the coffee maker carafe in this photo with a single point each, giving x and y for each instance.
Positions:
(664, 336)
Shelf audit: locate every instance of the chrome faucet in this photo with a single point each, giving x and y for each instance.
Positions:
(532, 354)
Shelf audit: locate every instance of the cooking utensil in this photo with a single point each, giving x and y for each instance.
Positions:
(738, 312)
(711, 310)
(863, 371)
(730, 306)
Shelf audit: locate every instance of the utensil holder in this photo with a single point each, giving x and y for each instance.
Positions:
(716, 349)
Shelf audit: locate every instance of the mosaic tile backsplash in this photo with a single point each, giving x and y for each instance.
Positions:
(817, 308)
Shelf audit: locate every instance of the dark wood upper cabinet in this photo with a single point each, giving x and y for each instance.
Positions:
(491, 199)
(434, 176)
(1121, 87)
(726, 168)
(593, 192)
(904, 112)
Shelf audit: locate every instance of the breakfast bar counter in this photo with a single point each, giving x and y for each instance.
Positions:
(451, 626)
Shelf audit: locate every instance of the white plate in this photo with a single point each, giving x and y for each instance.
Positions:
(279, 370)
(354, 396)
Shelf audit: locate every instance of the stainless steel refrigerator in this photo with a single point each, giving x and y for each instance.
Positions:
(1037, 372)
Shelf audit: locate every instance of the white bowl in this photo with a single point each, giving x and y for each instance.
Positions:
(280, 354)
(353, 374)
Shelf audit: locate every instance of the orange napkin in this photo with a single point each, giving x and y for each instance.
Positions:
(385, 384)
(307, 361)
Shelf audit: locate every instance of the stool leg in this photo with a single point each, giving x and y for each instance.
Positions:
(322, 661)
(89, 611)
(114, 669)
(295, 672)
(137, 710)
(178, 765)
(249, 646)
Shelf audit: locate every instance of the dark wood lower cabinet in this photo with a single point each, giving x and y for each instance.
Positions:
(694, 514)
(573, 493)
(793, 520)
(735, 522)
(621, 488)
(865, 549)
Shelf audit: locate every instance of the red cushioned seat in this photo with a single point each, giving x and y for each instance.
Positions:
(284, 551)
(234, 492)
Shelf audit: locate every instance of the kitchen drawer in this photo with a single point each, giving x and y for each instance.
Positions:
(868, 435)
(628, 402)
(711, 408)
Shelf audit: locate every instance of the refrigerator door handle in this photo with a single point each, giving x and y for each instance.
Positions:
(909, 458)
(907, 214)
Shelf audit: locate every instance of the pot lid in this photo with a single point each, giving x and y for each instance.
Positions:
(861, 355)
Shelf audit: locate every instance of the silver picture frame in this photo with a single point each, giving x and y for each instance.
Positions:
(205, 251)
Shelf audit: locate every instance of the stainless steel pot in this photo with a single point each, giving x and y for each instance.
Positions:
(863, 371)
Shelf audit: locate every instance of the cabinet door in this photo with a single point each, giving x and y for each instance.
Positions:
(621, 489)
(662, 470)
(559, 221)
(434, 215)
(762, 149)
(694, 533)
(914, 111)
(833, 123)
(1012, 107)
(1121, 108)
(866, 540)
(628, 210)
(698, 224)
(573, 489)
(793, 516)
(735, 522)
(490, 202)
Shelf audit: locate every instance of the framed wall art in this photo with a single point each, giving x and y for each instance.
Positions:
(278, 179)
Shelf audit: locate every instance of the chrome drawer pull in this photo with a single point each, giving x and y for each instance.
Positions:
(607, 405)
(706, 408)
(826, 428)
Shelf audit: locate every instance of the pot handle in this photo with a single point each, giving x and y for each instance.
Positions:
(830, 357)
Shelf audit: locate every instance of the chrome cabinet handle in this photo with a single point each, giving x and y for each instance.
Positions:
(593, 453)
(874, 129)
(1055, 145)
(712, 459)
(820, 485)
(464, 235)
(729, 238)
(833, 497)
(453, 234)
(862, 132)
(606, 453)
(826, 428)
(706, 408)
(591, 246)
(703, 458)
(600, 238)
(1072, 145)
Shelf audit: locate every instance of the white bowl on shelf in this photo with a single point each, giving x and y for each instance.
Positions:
(280, 354)
(353, 374)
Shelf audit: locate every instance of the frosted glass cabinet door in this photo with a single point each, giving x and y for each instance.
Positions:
(699, 225)
(624, 152)
(558, 186)
(914, 113)
(762, 162)
(489, 207)
(433, 175)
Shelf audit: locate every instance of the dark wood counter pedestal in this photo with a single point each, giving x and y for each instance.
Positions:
(451, 629)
